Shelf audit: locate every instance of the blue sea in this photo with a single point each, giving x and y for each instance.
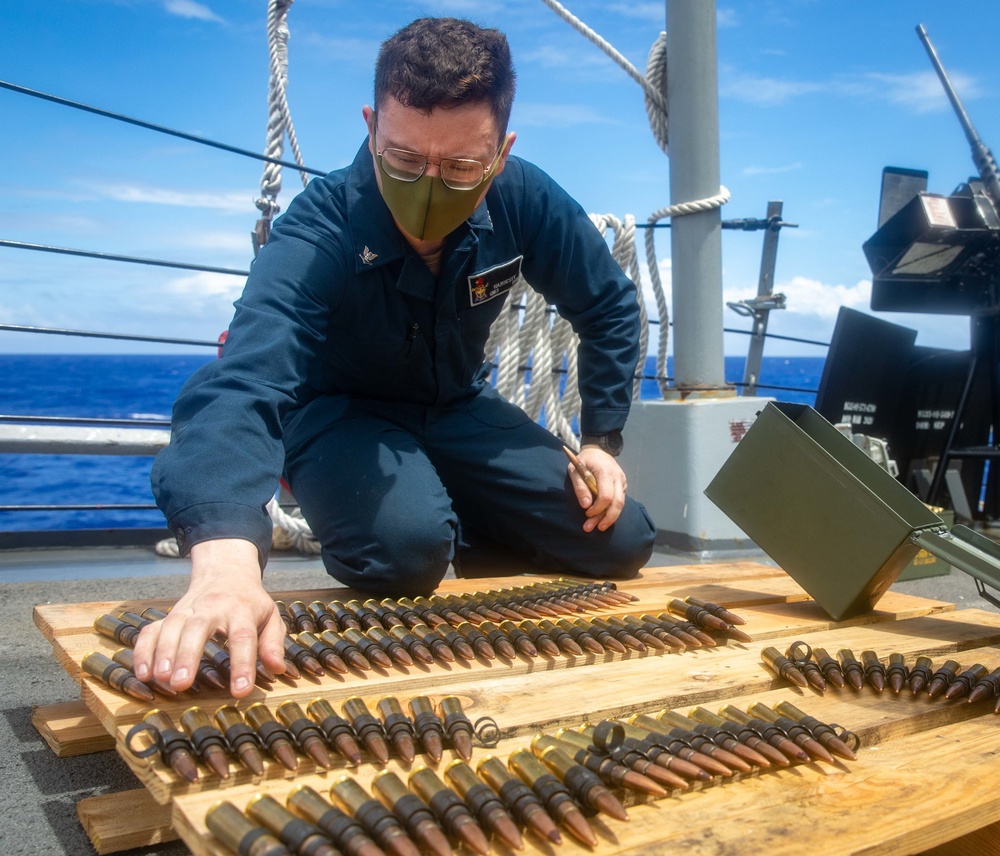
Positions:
(144, 387)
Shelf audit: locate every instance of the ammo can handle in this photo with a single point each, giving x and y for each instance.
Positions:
(968, 551)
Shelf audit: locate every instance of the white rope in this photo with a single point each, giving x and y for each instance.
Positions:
(721, 198)
(289, 532)
(167, 547)
(279, 119)
(652, 93)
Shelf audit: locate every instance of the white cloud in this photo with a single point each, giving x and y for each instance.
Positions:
(575, 56)
(231, 202)
(559, 115)
(727, 17)
(343, 49)
(191, 9)
(772, 170)
(237, 242)
(653, 12)
(766, 90)
(919, 92)
(922, 92)
(200, 287)
(806, 296)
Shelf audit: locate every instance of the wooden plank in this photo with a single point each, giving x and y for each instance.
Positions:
(555, 698)
(55, 620)
(979, 842)
(799, 618)
(702, 672)
(70, 628)
(124, 821)
(526, 695)
(69, 728)
(893, 799)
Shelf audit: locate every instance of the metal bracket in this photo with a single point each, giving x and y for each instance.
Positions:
(750, 307)
(984, 594)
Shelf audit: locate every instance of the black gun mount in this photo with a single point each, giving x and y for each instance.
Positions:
(941, 254)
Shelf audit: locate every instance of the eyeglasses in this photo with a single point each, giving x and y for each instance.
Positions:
(456, 173)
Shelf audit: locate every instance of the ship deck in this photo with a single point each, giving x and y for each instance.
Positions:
(43, 790)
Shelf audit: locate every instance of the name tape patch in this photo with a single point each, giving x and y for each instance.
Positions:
(499, 279)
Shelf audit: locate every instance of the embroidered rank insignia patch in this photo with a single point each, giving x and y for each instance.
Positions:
(486, 285)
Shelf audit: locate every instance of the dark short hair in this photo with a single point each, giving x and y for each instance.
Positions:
(444, 62)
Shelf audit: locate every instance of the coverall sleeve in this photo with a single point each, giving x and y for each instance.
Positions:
(225, 455)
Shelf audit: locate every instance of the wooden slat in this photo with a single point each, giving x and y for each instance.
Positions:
(124, 821)
(892, 800)
(55, 620)
(777, 620)
(69, 728)
(522, 704)
(527, 695)
(979, 842)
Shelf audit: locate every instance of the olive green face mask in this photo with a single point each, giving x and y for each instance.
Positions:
(427, 208)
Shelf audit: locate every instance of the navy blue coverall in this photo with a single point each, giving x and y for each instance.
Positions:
(357, 373)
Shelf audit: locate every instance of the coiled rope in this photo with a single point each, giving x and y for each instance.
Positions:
(289, 532)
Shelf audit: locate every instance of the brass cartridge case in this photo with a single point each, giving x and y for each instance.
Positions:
(367, 727)
(301, 617)
(116, 676)
(336, 729)
(306, 732)
(417, 817)
(398, 728)
(457, 726)
(208, 741)
(238, 833)
(300, 836)
(275, 737)
(453, 814)
(241, 738)
(115, 628)
(349, 836)
(381, 824)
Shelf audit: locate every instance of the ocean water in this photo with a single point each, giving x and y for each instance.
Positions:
(144, 387)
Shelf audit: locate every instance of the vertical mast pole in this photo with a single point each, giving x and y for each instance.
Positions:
(695, 239)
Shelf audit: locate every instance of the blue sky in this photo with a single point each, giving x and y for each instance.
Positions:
(815, 99)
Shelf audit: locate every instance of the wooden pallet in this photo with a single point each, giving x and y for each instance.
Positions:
(525, 696)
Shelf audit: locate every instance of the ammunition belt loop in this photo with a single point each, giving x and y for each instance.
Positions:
(608, 736)
(137, 729)
(428, 721)
(395, 721)
(295, 833)
(239, 733)
(487, 731)
(793, 653)
(248, 840)
(849, 737)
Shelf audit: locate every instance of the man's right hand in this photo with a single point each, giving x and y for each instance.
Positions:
(226, 597)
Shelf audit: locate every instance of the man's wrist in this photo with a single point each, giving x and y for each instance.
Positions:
(611, 442)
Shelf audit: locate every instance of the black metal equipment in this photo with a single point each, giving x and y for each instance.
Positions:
(941, 254)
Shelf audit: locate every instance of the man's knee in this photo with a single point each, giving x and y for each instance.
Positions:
(405, 560)
(627, 548)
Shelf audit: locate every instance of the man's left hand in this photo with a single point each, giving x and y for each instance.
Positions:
(602, 510)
